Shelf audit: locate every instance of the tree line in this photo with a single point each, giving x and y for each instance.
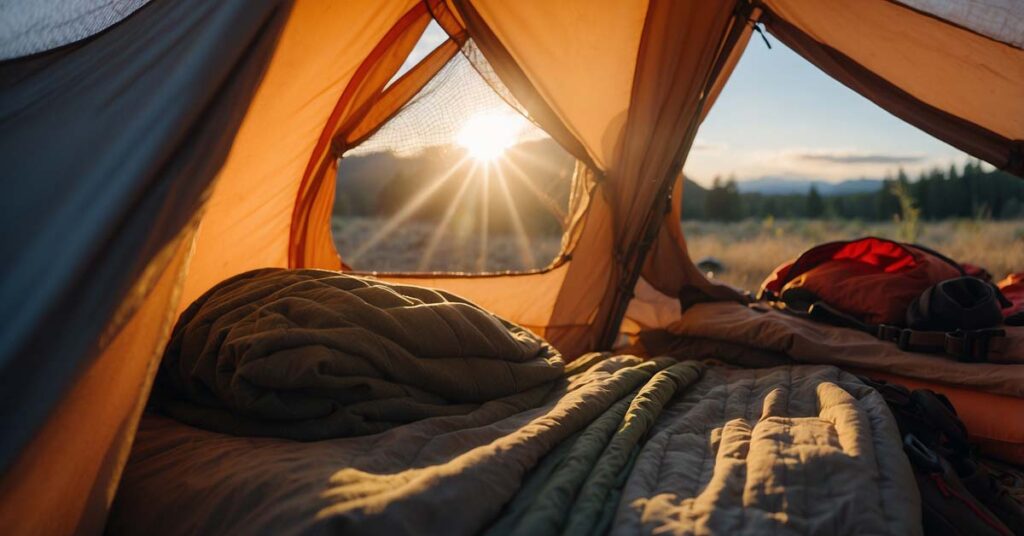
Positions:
(970, 192)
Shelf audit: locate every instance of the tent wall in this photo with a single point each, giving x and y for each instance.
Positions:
(462, 13)
(962, 87)
(249, 217)
(64, 482)
(564, 48)
(1001, 20)
(108, 147)
(365, 105)
(685, 48)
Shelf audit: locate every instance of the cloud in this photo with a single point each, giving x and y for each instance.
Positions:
(819, 163)
(701, 145)
(848, 157)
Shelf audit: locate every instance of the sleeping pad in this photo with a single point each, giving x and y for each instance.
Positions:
(310, 354)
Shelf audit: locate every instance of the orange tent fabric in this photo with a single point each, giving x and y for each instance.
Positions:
(622, 85)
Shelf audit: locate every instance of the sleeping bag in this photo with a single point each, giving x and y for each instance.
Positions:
(311, 354)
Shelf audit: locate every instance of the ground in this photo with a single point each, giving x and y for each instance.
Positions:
(748, 250)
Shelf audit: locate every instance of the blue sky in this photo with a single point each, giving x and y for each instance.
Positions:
(780, 116)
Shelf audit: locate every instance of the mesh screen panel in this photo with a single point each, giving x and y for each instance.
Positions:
(31, 26)
(459, 180)
(1002, 20)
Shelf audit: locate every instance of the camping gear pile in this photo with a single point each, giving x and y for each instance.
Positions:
(869, 284)
(958, 494)
(616, 444)
(154, 148)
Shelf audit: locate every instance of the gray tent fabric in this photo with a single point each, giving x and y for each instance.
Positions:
(108, 146)
(32, 26)
(1002, 20)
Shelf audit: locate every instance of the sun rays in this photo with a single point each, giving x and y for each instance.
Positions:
(438, 234)
(407, 211)
(473, 199)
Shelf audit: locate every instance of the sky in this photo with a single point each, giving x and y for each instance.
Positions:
(780, 116)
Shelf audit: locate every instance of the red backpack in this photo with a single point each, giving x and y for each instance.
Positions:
(871, 279)
(902, 293)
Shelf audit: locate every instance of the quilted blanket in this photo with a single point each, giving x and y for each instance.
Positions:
(309, 354)
(788, 450)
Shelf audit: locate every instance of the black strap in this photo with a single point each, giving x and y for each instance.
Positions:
(823, 312)
(969, 346)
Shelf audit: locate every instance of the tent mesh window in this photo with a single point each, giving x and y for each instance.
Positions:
(459, 180)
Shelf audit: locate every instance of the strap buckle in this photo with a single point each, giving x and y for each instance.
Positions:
(971, 346)
(896, 334)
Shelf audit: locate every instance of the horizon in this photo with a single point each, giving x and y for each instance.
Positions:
(432, 150)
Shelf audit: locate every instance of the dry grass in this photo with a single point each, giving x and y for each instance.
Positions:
(458, 251)
(750, 250)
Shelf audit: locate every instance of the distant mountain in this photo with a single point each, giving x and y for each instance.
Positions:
(537, 181)
(790, 185)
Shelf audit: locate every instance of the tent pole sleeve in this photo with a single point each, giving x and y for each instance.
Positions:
(633, 261)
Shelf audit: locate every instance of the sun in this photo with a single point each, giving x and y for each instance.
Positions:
(487, 135)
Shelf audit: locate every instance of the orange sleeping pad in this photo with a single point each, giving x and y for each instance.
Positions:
(995, 422)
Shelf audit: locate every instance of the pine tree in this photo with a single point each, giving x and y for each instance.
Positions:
(733, 205)
(815, 205)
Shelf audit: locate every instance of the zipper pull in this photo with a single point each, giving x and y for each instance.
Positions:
(759, 28)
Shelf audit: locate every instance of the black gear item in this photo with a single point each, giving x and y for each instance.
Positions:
(958, 495)
(962, 303)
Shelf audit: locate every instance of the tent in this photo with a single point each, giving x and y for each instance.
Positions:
(152, 149)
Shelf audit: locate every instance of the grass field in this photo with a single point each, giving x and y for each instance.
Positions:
(411, 248)
(749, 250)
